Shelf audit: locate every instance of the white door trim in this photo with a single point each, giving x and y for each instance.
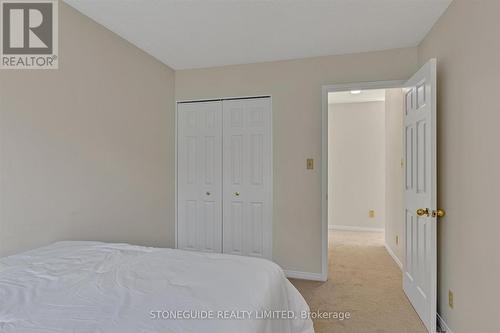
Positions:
(177, 102)
(324, 154)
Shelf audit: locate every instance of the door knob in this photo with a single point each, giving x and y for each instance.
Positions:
(237, 194)
(423, 211)
(208, 193)
(438, 213)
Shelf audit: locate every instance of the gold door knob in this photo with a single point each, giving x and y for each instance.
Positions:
(423, 211)
(438, 213)
(237, 194)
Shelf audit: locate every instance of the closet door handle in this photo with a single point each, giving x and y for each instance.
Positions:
(208, 193)
(237, 194)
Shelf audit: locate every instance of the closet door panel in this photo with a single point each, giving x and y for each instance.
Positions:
(247, 163)
(199, 176)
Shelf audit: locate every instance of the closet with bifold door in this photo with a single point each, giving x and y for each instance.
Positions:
(224, 176)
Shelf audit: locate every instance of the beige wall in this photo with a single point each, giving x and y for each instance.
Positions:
(87, 151)
(467, 45)
(295, 87)
(394, 187)
(356, 164)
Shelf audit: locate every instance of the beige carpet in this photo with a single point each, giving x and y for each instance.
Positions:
(365, 281)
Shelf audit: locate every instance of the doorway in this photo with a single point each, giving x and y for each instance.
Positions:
(357, 160)
(420, 212)
(326, 91)
(366, 165)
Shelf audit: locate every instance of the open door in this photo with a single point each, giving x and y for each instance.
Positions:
(420, 264)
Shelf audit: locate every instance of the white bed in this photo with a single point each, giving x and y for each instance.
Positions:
(101, 287)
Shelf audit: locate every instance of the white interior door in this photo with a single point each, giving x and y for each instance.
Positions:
(199, 176)
(420, 264)
(247, 177)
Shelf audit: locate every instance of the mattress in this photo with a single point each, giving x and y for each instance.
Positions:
(103, 287)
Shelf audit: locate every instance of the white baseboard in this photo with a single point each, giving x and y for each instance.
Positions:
(349, 228)
(393, 255)
(442, 324)
(305, 275)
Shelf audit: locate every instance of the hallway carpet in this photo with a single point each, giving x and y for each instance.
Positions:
(364, 280)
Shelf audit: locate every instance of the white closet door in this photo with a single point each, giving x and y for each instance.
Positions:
(247, 163)
(199, 176)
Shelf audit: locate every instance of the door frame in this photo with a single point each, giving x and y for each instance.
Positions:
(177, 102)
(324, 153)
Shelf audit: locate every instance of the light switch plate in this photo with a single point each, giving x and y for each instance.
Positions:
(310, 164)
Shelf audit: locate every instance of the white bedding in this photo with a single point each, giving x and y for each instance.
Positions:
(100, 287)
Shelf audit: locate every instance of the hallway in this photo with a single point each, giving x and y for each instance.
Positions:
(365, 281)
